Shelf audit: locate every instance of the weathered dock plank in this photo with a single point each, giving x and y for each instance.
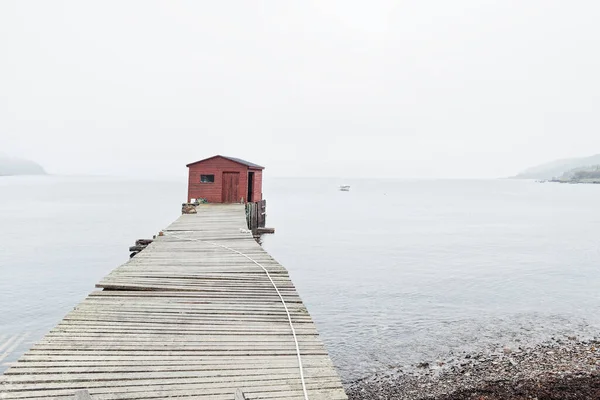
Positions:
(193, 315)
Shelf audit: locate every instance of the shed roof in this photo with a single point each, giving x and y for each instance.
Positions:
(234, 159)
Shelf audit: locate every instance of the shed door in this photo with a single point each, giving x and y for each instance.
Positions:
(231, 181)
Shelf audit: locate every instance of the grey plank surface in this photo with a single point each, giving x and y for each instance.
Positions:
(186, 317)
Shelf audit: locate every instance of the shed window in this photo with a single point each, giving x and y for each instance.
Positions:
(207, 178)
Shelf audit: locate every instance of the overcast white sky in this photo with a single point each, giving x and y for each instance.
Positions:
(413, 88)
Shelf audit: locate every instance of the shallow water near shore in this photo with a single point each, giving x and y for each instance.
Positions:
(401, 272)
(393, 272)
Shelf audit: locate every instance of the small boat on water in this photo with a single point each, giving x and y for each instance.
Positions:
(345, 188)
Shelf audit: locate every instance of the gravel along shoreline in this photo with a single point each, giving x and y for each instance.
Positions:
(562, 369)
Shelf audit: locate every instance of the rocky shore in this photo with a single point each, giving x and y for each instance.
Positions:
(562, 369)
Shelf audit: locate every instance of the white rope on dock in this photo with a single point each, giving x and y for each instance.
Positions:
(287, 311)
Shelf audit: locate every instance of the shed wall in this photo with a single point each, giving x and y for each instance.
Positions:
(213, 191)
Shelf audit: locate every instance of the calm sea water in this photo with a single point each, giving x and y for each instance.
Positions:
(393, 272)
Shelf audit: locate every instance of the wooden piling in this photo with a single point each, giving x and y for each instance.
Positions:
(256, 216)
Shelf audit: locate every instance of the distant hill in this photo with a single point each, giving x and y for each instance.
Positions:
(558, 168)
(16, 166)
(589, 174)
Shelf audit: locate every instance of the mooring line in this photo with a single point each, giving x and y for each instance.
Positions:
(287, 311)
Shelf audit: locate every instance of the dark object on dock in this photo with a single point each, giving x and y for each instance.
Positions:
(262, 231)
(188, 208)
(137, 248)
(140, 245)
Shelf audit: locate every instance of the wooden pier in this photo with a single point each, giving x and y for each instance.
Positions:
(192, 315)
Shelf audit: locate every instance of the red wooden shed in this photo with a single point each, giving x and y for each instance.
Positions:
(221, 179)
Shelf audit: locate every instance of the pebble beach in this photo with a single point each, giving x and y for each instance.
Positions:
(560, 369)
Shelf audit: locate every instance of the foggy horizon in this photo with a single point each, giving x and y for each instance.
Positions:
(434, 89)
